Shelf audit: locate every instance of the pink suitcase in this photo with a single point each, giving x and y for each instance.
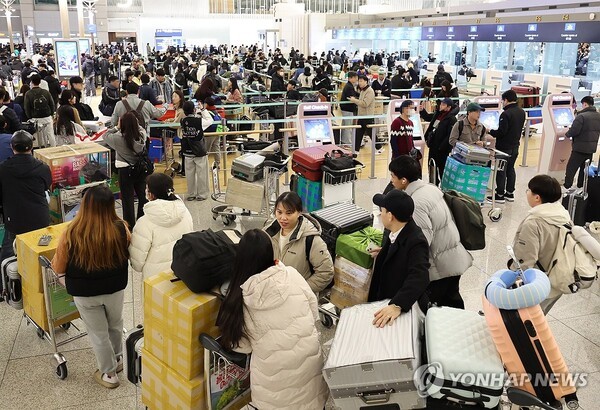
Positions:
(527, 347)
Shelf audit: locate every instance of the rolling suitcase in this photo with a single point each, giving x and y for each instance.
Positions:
(471, 154)
(592, 212)
(341, 218)
(460, 342)
(248, 167)
(11, 283)
(134, 342)
(530, 352)
(576, 202)
(527, 102)
(307, 162)
(372, 368)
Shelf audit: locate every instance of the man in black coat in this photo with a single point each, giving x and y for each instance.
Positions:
(438, 132)
(24, 182)
(401, 271)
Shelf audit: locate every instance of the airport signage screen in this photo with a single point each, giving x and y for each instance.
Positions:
(67, 58)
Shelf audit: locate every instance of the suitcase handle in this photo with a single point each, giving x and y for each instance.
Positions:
(375, 397)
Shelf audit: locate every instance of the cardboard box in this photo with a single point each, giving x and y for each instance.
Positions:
(163, 388)
(246, 195)
(29, 251)
(174, 318)
(35, 307)
(351, 283)
(77, 164)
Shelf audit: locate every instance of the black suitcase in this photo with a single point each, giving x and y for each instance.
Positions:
(340, 219)
(134, 341)
(592, 212)
(577, 202)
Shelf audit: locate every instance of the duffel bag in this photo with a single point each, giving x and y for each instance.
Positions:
(204, 259)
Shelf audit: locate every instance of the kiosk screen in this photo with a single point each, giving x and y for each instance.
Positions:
(317, 130)
(563, 117)
(490, 119)
(417, 129)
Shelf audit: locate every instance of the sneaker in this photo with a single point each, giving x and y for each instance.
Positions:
(106, 381)
(119, 364)
(200, 198)
(379, 151)
(499, 199)
(190, 198)
(509, 196)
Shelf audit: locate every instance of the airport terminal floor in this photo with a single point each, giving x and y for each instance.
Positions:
(27, 377)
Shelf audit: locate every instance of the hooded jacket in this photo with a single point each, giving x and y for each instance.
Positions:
(585, 131)
(155, 233)
(294, 252)
(537, 236)
(280, 312)
(24, 182)
(447, 255)
(366, 101)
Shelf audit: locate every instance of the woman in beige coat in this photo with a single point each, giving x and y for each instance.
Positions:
(270, 311)
(366, 106)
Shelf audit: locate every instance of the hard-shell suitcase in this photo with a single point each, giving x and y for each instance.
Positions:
(471, 154)
(468, 369)
(11, 283)
(341, 218)
(527, 102)
(576, 202)
(530, 352)
(248, 167)
(592, 212)
(134, 341)
(371, 368)
(308, 161)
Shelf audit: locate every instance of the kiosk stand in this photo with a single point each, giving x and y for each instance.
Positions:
(314, 124)
(490, 118)
(557, 116)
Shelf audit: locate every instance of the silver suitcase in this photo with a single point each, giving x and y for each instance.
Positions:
(248, 167)
(370, 367)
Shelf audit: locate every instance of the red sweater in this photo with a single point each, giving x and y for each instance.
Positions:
(401, 137)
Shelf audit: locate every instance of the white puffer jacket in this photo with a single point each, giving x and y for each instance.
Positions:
(448, 256)
(155, 234)
(280, 314)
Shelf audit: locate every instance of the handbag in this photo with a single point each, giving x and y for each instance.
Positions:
(142, 167)
(338, 160)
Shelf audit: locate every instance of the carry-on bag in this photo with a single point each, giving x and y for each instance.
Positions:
(463, 357)
(248, 167)
(529, 351)
(525, 101)
(308, 161)
(134, 341)
(341, 218)
(354, 246)
(373, 368)
(592, 212)
(11, 283)
(576, 201)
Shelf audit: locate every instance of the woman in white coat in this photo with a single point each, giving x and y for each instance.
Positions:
(270, 311)
(166, 219)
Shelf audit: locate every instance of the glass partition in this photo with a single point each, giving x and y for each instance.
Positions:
(527, 57)
(559, 58)
(499, 55)
(593, 64)
(482, 54)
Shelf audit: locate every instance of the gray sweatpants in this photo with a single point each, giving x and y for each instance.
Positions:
(196, 175)
(347, 135)
(213, 147)
(103, 318)
(45, 132)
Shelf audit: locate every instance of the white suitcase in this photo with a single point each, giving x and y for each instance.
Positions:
(370, 367)
(463, 356)
(11, 283)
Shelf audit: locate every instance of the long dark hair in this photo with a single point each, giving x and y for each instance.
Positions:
(234, 84)
(254, 255)
(65, 96)
(65, 117)
(161, 186)
(130, 129)
(181, 99)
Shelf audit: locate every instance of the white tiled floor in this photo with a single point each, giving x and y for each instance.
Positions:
(26, 370)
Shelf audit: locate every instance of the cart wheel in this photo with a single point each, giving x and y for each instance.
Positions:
(327, 321)
(40, 333)
(225, 219)
(65, 326)
(495, 214)
(61, 371)
(214, 217)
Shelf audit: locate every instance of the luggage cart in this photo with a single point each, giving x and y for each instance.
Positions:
(59, 306)
(228, 376)
(340, 185)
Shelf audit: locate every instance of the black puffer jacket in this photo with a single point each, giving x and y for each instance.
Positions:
(510, 128)
(585, 131)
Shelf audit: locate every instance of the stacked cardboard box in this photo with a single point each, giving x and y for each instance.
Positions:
(351, 283)
(173, 358)
(30, 269)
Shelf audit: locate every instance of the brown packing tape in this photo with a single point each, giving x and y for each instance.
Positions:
(349, 272)
(342, 299)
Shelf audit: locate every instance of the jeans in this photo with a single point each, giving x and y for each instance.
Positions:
(90, 86)
(445, 292)
(103, 79)
(130, 186)
(103, 318)
(362, 131)
(347, 134)
(506, 180)
(45, 132)
(196, 175)
(576, 161)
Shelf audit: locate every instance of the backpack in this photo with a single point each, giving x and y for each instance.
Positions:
(41, 108)
(137, 112)
(180, 81)
(204, 259)
(468, 218)
(572, 267)
(461, 127)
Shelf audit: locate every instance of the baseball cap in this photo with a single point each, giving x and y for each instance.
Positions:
(398, 202)
(474, 107)
(447, 101)
(382, 71)
(21, 141)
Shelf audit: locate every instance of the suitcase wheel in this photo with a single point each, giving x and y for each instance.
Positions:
(227, 219)
(327, 321)
(61, 371)
(66, 326)
(495, 214)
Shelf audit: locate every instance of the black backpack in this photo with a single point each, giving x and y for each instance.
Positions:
(137, 112)
(41, 107)
(468, 218)
(204, 259)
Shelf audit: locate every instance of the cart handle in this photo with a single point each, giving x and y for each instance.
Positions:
(211, 344)
(45, 262)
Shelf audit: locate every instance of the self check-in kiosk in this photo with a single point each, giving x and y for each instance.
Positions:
(557, 117)
(393, 113)
(314, 124)
(490, 118)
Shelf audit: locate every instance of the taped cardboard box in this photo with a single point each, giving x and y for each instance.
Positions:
(351, 283)
(77, 164)
(29, 251)
(245, 195)
(35, 307)
(174, 318)
(164, 388)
